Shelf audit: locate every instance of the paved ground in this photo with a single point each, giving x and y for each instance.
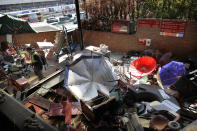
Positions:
(53, 65)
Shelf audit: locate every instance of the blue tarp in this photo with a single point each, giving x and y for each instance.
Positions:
(171, 72)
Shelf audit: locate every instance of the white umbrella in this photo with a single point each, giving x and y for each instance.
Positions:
(88, 76)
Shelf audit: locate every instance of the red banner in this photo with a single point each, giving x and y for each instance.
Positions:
(173, 26)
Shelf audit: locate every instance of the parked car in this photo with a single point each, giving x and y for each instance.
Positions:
(64, 18)
(52, 20)
(68, 15)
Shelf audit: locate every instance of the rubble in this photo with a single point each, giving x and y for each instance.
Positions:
(97, 93)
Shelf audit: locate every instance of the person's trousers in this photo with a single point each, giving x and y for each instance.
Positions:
(38, 72)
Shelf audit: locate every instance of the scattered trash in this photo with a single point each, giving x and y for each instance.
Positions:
(119, 95)
(165, 58)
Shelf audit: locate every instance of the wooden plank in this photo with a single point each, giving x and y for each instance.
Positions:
(103, 103)
(40, 101)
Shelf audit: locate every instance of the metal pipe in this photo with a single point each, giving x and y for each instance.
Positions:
(79, 24)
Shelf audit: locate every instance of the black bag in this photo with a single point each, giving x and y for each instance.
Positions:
(41, 60)
(44, 61)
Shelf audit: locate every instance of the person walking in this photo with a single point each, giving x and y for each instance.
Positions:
(36, 62)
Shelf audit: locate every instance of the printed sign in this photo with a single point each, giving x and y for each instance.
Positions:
(173, 28)
(143, 41)
(120, 27)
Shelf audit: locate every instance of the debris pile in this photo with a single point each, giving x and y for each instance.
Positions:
(135, 93)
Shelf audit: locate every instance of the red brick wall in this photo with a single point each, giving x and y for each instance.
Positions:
(179, 46)
(32, 38)
(125, 42)
(117, 42)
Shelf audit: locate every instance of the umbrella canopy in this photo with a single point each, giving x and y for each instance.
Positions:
(142, 66)
(171, 72)
(88, 75)
(11, 25)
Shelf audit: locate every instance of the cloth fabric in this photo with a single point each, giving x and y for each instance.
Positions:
(171, 72)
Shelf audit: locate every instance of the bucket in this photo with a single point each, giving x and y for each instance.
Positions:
(142, 66)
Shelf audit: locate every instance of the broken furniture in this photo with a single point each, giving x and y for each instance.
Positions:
(55, 106)
(20, 83)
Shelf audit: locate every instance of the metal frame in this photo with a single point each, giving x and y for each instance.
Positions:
(21, 117)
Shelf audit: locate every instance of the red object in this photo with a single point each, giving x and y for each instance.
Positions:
(142, 66)
(173, 26)
(141, 41)
(67, 111)
(57, 109)
(149, 23)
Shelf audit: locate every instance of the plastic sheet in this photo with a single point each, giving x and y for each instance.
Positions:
(171, 72)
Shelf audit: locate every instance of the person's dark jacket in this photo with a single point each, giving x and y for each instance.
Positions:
(38, 62)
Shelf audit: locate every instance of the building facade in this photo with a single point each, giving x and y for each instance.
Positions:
(14, 5)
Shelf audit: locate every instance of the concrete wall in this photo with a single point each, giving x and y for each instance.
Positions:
(125, 42)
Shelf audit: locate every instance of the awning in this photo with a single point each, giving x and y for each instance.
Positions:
(12, 25)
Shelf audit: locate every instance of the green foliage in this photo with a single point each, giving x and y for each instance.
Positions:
(103, 12)
(168, 9)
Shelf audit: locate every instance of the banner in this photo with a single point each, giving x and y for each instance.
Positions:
(120, 27)
(173, 28)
